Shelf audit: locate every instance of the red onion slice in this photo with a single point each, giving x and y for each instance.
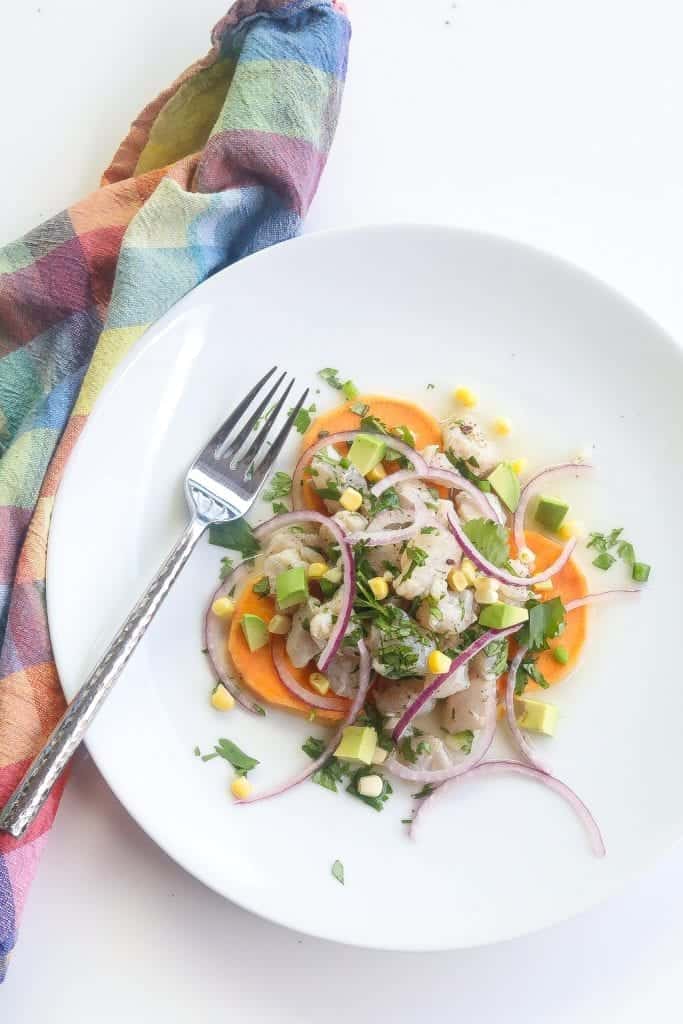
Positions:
(345, 437)
(450, 479)
(604, 595)
(530, 488)
(293, 519)
(526, 749)
(215, 642)
(288, 680)
(480, 749)
(461, 659)
(364, 680)
(500, 574)
(514, 767)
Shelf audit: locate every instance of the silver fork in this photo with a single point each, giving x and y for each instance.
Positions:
(220, 486)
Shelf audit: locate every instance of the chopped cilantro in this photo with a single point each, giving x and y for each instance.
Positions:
(331, 377)
(313, 747)
(227, 566)
(430, 387)
(350, 390)
(429, 529)
(331, 492)
(490, 539)
(241, 762)
(332, 772)
(236, 536)
(526, 671)
(279, 508)
(302, 420)
(279, 487)
(197, 751)
(463, 467)
(359, 409)
(604, 560)
(546, 621)
(417, 557)
(604, 541)
(627, 552)
(426, 790)
(464, 740)
(338, 871)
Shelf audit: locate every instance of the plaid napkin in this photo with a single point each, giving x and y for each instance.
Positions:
(224, 162)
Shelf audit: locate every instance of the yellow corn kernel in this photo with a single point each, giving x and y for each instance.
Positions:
(379, 586)
(221, 698)
(319, 682)
(376, 474)
(280, 625)
(571, 529)
(438, 663)
(466, 397)
(240, 787)
(467, 568)
(519, 466)
(457, 580)
(334, 575)
(486, 590)
(223, 607)
(351, 499)
(502, 426)
(316, 570)
(544, 587)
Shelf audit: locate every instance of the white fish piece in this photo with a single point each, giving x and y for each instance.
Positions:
(301, 647)
(467, 708)
(453, 614)
(392, 697)
(466, 439)
(442, 552)
(326, 470)
(342, 673)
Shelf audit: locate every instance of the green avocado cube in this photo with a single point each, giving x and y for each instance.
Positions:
(255, 631)
(358, 743)
(550, 512)
(291, 587)
(500, 616)
(536, 715)
(366, 452)
(505, 483)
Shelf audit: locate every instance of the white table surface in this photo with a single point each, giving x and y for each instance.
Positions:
(555, 123)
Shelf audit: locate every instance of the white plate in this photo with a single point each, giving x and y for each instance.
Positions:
(395, 308)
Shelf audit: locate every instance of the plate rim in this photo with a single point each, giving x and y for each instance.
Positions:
(60, 510)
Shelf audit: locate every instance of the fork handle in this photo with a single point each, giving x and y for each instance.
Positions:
(31, 793)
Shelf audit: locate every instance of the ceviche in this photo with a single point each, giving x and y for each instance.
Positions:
(413, 591)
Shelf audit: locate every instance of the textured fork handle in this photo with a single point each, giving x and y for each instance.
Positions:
(33, 790)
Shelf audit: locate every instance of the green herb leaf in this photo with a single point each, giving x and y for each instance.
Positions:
(280, 486)
(604, 560)
(303, 418)
(197, 752)
(428, 788)
(546, 621)
(331, 492)
(338, 871)
(227, 566)
(262, 587)
(626, 551)
(604, 541)
(464, 740)
(350, 390)
(332, 772)
(429, 529)
(313, 747)
(279, 508)
(490, 539)
(463, 467)
(241, 762)
(236, 536)
(331, 377)
(526, 671)
(359, 409)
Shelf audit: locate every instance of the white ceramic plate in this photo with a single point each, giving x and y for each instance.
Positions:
(570, 363)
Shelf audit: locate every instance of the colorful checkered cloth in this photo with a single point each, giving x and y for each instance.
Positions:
(224, 162)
